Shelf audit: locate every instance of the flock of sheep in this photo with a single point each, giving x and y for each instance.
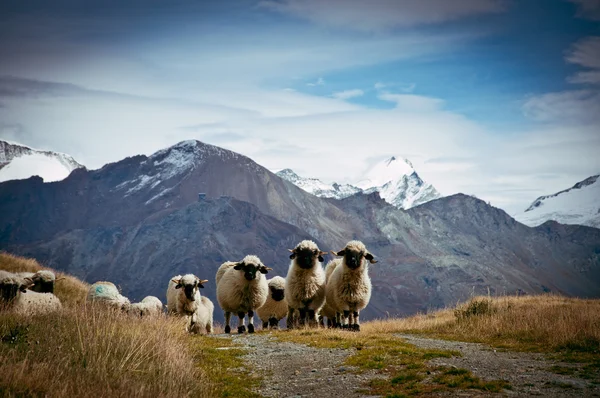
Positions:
(307, 295)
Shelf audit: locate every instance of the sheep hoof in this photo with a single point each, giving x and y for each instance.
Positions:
(250, 328)
(241, 329)
(356, 328)
(227, 329)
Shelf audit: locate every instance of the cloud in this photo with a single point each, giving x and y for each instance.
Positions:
(320, 82)
(405, 88)
(413, 103)
(586, 53)
(589, 9)
(376, 15)
(580, 106)
(347, 94)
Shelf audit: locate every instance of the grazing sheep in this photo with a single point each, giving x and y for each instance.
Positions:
(349, 286)
(184, 298)
(149, 306)
(43, 280)
(242, 288)
(305, 283)
(107, 293)
(275, 308)
(15, 296)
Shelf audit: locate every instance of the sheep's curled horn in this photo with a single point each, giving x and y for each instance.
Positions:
(201, 282)
(368, 255)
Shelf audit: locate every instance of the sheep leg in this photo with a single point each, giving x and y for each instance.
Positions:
(227, 319)
(303, 314)
(274, 323)
(250, 321)
(350, 319)
(266, 325)
(345, 317)
(356, 325)
(312, 318)
(242, 322)
(209, 327)
(290, 318)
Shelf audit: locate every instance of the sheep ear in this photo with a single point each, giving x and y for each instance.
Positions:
(369, 257)
(238, 266)
(265, 270)
(340, 253)
(293, 255)
(201, 283)
(27, 283)
(177, 283)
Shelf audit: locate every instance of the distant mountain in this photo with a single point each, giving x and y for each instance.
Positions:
(579, 204)
(141, 220)
(21, 162)
(395, 179)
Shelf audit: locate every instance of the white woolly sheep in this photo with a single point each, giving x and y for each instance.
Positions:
(242, 288)
(275, 308)
(184, 298)
(107, 293)
(305, 283)
(149, 306)
(327, 310)
(43, 280)
(349, 286)
(15, 296)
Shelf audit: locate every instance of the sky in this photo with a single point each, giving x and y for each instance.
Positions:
(494, 98)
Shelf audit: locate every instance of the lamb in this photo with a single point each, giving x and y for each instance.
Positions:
(149, 306)
(184, 298)
(305, 283)
(349, 286)
(242, 288)
(43, 280)
(15, 296)
(107, 293)
(275, 308)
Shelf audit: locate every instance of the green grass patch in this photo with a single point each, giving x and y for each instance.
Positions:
(464, 379)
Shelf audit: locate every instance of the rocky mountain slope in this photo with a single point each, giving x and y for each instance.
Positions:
(395, 179)
(140, 221)
(579, 204)
(19, 162)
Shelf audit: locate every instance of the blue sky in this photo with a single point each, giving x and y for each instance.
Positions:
(497, 98)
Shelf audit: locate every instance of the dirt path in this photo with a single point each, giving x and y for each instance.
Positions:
(526, 372)
(296, 370)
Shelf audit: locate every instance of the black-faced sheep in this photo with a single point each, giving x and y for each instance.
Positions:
(108, 294)
(242, 288)
(43, 280)
(349, 286)
(15, 296)
(305, 283)
(275, 308)
(149, 306)
(184, 298)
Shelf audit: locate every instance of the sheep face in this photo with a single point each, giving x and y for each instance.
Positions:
(277, 294)
(251, 268)
(190, 284)
(10, 288)
(306, 253)
(354, 253)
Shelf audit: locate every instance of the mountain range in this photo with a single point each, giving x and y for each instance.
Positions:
(192, 206)
(19, 161)
(394, 178)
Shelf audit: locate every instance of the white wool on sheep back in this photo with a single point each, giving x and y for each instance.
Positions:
(241, 289)
(108, 294)
(275, 308)
(349, 285)
(149, 306)
(305, 283)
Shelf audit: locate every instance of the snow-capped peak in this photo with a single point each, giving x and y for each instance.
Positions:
(318, 187)
(20, 162)
(390, 169)
(579, 204)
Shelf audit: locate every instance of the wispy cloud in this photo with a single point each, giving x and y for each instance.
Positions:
(376, 15)
(581, 106)
(589, 9)
(586, 53)
(413, 103)
(319, 82)
(347, 94)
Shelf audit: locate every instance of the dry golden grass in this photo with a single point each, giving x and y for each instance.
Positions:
(70, 290)
(543, 323)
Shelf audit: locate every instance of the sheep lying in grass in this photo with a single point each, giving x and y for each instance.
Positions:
(108, 294)
(15, 296)
(275, 308)
(43, 280)
(242, 288)
(305, 283)
(184, 298)
(349, 286)
(149, 306)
